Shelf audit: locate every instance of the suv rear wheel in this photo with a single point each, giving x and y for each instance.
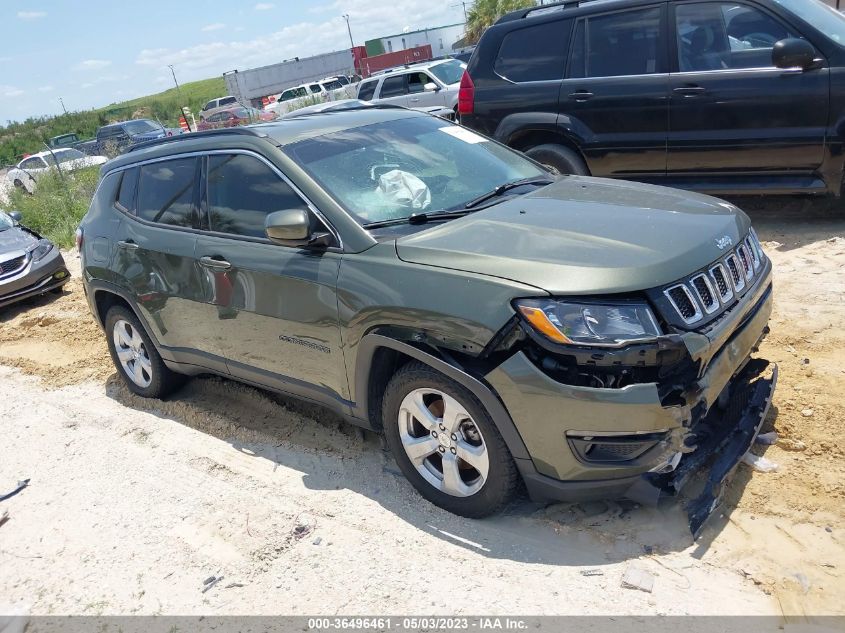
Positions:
(136, 358)
(560, 159)
(446, 444)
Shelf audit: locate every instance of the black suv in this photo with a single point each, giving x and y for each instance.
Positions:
(721, 96)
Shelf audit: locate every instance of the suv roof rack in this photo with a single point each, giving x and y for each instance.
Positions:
(543, 8)
(228, 131)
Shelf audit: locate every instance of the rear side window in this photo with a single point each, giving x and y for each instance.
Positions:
(619, 44)
(126, 194)
(393, 87)
(242, 191)
(535, 53)
(366, 90)
(166, 192)
(227, 101)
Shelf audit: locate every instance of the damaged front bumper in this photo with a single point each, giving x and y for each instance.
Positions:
(646, 440)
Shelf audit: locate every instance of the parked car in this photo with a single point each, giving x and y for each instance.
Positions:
(417, 85)
(729, 97)
(233, 117)
(588, 337)
(74, 142)
(215, 105)
(29, 264)
(313, 93)
(355, 104)
(25, 174)
(116, 137)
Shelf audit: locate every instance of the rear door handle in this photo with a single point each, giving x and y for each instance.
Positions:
(689, 91)
(127, 244)
(581, 95)
(215, 261)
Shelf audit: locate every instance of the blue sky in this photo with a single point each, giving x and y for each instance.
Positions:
(92, 53)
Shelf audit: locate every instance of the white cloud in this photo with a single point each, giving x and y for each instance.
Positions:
(31, 15)
(213, 27)
(10, 91)
(264, 6)
(46, 89)
(368, 20)
(92, 64)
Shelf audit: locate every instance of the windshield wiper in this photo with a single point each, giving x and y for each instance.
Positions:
(501, 189)
(417, 218)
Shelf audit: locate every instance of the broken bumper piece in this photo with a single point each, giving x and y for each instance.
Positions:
(719, 441)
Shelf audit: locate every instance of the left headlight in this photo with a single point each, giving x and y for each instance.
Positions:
(40, 249)
(592, 324)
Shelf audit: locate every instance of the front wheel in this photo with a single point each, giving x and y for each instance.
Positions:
(446, 444)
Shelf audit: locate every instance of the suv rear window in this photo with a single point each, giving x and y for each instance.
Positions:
(242, 191)
(535, 53)
(166, 192)
(618, 44)
(128, 185)
(393, 87)
(367, 89)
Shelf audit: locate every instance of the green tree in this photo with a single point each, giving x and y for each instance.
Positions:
(485, 12)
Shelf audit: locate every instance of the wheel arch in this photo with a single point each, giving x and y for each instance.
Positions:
(380, 356)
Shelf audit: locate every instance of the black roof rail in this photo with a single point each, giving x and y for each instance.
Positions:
(228, 131)
(524, 13)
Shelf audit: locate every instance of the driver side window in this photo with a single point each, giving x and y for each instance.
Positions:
(725, 36)
(242, 191)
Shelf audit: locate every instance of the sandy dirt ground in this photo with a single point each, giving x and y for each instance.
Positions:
(133, 503)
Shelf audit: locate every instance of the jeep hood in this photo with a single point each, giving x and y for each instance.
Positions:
(584, 236)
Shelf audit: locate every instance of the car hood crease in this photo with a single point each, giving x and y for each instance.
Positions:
(585, 236)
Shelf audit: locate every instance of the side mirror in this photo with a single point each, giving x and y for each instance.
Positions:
(431, 87)
(16, 217)
(794, 53)
(292, 227)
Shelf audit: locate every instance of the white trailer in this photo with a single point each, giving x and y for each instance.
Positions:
(249, 86)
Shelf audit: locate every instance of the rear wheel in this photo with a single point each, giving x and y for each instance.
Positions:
(136, 358)
(446, 444)
(559, 159)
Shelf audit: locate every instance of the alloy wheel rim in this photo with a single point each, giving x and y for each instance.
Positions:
(132, 354)
(443, 442)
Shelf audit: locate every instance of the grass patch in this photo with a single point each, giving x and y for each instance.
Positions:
(28, 137)
(58, 204)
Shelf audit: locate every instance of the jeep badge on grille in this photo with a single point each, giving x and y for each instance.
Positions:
(723, 242)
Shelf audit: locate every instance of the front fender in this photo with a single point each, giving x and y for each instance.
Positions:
(372, 342)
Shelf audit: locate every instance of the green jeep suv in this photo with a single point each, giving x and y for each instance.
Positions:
(500, 325)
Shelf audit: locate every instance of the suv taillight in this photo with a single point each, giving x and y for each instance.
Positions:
(466, 95)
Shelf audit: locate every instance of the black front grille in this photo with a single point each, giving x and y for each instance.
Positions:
(703, 289)
(736, 275)
(721, 283)
(12, 265)
(683, 302)
(705, 294)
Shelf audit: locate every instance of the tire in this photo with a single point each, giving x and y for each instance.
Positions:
(559, 159)
(20, 186)
(474, 494)
(153, 379)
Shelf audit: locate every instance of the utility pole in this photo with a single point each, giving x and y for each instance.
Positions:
(179, 93)
(63, 105)
(173, 72)
(351, 43)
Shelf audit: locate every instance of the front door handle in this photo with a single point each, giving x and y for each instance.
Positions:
(689, 91)
(128, 244)
(415, 100)
(215, 261)
(581, 95)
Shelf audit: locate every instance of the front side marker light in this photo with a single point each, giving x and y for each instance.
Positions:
(540, 321)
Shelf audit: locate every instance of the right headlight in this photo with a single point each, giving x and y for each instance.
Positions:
(40, 249)
(591, 324)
